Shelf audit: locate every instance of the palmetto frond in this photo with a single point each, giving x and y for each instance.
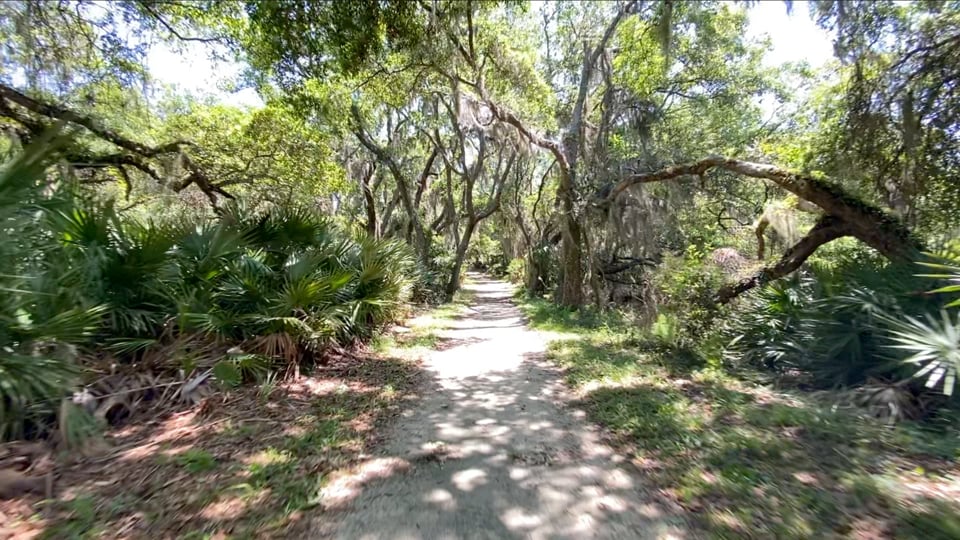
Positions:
(947, 266)
(933, 345)
(282, 281)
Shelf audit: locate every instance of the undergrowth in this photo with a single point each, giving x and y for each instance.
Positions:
(249, 469)
(746, 460)
(89, 290)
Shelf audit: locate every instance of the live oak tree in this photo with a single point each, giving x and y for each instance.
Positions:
(410, 113)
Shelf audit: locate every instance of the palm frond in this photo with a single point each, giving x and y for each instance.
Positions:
(932, 345)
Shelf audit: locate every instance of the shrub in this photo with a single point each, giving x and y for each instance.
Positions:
(39, 322)
(946, 265)
(229, 296)
(486, 253)
(517, 271)
(430, 285)
(685, 288)
(856, 320)
(666, 330)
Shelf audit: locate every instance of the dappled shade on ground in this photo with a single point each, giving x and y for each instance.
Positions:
(246, 463)
(745, 460)
(490, 451)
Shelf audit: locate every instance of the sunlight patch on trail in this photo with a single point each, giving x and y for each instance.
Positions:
(491, 450)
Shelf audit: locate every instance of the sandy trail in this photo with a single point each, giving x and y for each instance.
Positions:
(492, 450)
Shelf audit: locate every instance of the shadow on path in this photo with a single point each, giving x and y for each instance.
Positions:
(491, 451)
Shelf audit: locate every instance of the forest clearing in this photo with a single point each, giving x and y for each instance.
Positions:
(479, 269)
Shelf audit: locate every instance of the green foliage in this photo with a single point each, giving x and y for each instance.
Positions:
(948, 267)
(196, 461)
(846, 324)
(666, 329)
(486, 252)
(751, 461)
(516, 271)
(277, 283)
(763, 321)
(335, 35)
(432, 278)
(244, 274)
(933, 345)
(75, 47)
(685, 287)
(36, 352)
(268, 154)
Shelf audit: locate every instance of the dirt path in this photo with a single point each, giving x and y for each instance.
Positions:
(491, 450)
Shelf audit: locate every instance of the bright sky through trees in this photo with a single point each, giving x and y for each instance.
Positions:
(794, 37)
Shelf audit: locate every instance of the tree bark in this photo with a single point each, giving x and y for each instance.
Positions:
(474, 218)
(21, 109)
(567, 155)
(827, 229)
(369, 204)
(869, 224)
(419, 241)
(571, 250)
(761, 228)
(453, 284)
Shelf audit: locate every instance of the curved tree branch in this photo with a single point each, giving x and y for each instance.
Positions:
(93, 125)
(150, 11)
(384, 155)
(827, 229)
(866, 222)
(21, 108)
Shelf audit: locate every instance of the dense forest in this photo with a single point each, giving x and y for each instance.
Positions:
(635, 167)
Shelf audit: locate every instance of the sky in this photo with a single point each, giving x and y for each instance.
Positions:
(794, 37)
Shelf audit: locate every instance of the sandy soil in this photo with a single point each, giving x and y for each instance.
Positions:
(493, 450)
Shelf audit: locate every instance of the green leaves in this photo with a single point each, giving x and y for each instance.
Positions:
(227, 373)
(949, 268)
(848, 325)
(300, 39)
(932, 344)
(38, 321)
(80, 275)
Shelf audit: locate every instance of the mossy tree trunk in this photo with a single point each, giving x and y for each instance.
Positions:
(844, 215)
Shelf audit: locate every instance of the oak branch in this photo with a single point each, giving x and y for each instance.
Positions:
(844, 215)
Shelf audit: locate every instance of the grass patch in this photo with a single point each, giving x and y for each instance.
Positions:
(79, 520)
(747, 461)
(423, 339)
(196, 461)
(422, 333)
(545, 315)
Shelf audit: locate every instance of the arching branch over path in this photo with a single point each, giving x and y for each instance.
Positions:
(844, 215)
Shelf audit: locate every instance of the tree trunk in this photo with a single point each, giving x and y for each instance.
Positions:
(571, 255)
(844, 215)
(827, 229)
(536, 278)
(453, 285)
(761, 227)
(418, 240)
(867, 223)
(369, 203)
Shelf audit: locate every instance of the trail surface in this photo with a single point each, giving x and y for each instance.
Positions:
(492, 451)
